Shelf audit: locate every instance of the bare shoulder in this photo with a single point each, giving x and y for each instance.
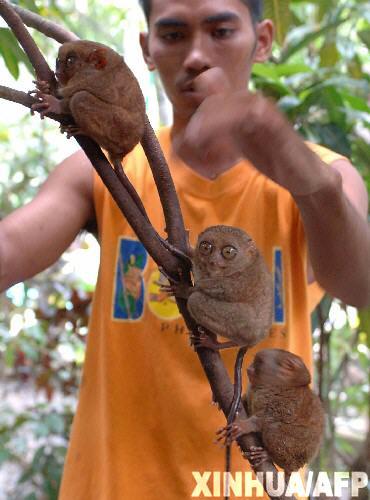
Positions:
(70, 185)
(75, 172)
(353, 185)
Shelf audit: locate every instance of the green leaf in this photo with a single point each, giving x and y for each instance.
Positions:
(365, 323)
(323, 8)
(355, 67)
(10, 60)
(12, 53)
(9, 356)
(31, 496)
(4, 135)
(5, 455)
(331, 136)
(310, 37)
(279, 12)
(365, 37)
(274, 89)
(329, 55)
(354, 102)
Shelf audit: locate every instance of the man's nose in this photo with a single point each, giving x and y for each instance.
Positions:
(197, 58)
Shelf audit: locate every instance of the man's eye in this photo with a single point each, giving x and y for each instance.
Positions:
(222, 33)
(172, 36)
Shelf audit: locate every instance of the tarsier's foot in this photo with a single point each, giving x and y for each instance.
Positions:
(70, 130)
(208, 341)
(203, 340)
(256, 455)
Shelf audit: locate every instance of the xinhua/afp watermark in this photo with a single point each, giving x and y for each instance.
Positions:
(245, 485)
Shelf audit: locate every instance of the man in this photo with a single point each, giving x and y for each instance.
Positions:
(144, 421)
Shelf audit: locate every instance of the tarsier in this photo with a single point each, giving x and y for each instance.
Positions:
(283, 409)
(99, 91)
(232, 296)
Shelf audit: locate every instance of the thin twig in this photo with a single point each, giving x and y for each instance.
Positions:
(166, 188)
(48, 28)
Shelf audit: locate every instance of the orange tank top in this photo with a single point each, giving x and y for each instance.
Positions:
(145, 421)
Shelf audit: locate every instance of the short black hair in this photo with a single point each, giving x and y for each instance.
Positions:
(255, 8)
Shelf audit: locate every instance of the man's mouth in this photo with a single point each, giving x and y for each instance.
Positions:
(188, 87)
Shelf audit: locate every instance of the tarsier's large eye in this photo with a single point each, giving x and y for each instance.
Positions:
(229, 252)
(70, 60)
(205, 247)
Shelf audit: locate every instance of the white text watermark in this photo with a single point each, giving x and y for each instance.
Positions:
(245, 485)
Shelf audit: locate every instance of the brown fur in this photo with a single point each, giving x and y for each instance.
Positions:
(103, 96)
(290, 415)
(232, 298)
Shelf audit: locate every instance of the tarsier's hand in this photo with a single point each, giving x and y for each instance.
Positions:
(181, 290)
(229, 433)
(46, 104)
(41, 86)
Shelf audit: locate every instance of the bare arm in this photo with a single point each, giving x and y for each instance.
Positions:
(338, 235)
(34, 236)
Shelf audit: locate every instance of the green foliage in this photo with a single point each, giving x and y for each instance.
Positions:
(42, 470)
(279, 11)
(12, 53)
(318, 73)
(342, 339)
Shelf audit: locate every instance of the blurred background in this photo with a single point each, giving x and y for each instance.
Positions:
(320, 77)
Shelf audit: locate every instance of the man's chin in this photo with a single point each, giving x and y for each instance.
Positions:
(190, 102)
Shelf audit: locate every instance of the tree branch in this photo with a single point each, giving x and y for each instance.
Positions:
(166, 188)
(48, 28)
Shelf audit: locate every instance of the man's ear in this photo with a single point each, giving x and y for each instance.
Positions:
(265, 36)
(144, 43)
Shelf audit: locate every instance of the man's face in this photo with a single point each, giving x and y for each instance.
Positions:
(188, 37)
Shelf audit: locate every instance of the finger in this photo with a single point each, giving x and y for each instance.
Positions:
(223, 430)
(212, 81)
(40, 106)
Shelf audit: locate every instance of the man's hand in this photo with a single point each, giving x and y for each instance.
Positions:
(246, 125)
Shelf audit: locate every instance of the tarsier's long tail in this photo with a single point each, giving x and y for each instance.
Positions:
(233, 409)
(125, 181)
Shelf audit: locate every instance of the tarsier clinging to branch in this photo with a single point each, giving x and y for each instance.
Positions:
(283, 408)
(232, 294)
(99, 91)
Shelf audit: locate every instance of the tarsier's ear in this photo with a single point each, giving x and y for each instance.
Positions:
(98, 57)
(297, 369)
